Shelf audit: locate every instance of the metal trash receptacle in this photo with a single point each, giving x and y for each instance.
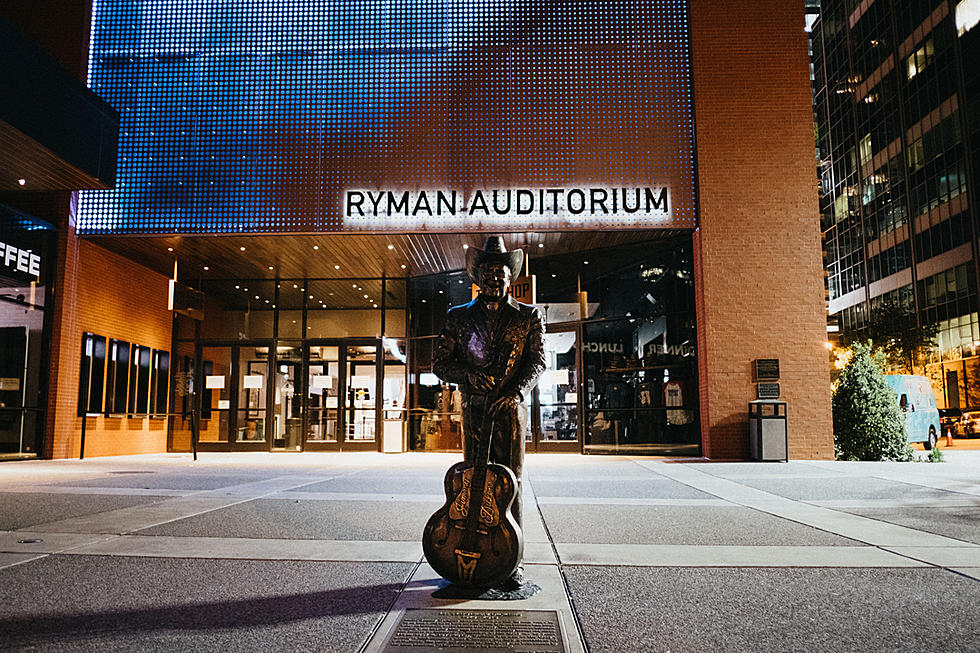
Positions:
(768, 437)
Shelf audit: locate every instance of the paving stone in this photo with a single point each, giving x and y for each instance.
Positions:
(820, 489)
(21, 510)
(90, 603)
(962, 523)
(327, 520)
(778, 610)
(679, 525)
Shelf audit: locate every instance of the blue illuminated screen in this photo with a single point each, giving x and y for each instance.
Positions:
(256, 115)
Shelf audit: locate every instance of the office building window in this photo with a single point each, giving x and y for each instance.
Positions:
(921, 58)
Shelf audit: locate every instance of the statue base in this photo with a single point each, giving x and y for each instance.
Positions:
(451, 591)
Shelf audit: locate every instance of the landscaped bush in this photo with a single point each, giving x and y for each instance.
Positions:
(868, 424)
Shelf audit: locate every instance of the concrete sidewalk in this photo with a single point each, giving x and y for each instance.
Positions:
(320, 552)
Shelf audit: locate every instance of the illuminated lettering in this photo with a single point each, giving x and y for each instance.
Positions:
(496, 208)
(450, 204)
(479, 201)
(659, 204)
(422, 203)
(20, 260)
(626, 206)
(351, 194)
(399, 206)
(375, 201)
(598, 197)
(555, 194)
(526, 208)
(524, 193)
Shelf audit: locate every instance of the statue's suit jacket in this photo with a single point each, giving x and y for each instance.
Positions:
(508, 344)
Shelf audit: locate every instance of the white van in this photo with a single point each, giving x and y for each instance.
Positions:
(918, 404)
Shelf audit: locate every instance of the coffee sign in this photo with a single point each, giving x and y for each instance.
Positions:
(20, 260)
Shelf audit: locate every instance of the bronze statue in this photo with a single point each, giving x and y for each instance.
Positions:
(493, 349)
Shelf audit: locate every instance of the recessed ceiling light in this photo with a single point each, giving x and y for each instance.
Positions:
(237, 286)
(465, 246)
(311, 296)
(245, 289)
(403, 266)
(353, 285)
(295, 286)
(316, 247)
(206, 267)
(267, 301)
(585, 262)
(242, 248)
(170, 249)
(271, 268)
(336, 267)
(391, 247)
(21, 181)
(375, 305)
(256, 296)
(540, 244)
(365, 296)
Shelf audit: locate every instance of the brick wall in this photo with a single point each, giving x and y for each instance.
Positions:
(111, 296)
(759, 267)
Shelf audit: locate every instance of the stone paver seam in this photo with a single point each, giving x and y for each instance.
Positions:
(907, 481)
(196, 494)
(561, 573)
(37, 557)
(394, 601)
(244, 500)
(751, 507)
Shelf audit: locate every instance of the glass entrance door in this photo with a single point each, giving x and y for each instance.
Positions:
(288, 401)
(557, 405)
(342, 395)
(360, 397)
(323, 390)
(232, 382)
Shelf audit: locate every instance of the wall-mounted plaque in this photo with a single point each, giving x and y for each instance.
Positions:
(767, 391)
(767, 369)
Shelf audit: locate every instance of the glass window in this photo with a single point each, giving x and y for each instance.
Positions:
(117, 379)
(139, 380)
(161, 382)
(92, 374)
(921, 58)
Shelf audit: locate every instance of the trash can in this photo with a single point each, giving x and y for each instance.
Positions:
(768, 439)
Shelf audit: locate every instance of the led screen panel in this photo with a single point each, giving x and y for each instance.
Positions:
(252, 116)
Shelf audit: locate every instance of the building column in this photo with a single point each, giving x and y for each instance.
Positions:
(758, 243)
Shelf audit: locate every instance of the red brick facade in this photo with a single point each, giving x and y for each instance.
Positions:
(759, 273)
(115, 297)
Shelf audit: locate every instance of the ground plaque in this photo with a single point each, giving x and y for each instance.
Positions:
(477, 631)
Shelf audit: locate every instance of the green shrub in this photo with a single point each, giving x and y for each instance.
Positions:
(868, 425)
(935, 455)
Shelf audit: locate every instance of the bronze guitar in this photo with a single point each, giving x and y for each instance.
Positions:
(473, 540)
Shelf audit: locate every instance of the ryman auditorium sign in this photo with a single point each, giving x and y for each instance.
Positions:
(522, 208)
